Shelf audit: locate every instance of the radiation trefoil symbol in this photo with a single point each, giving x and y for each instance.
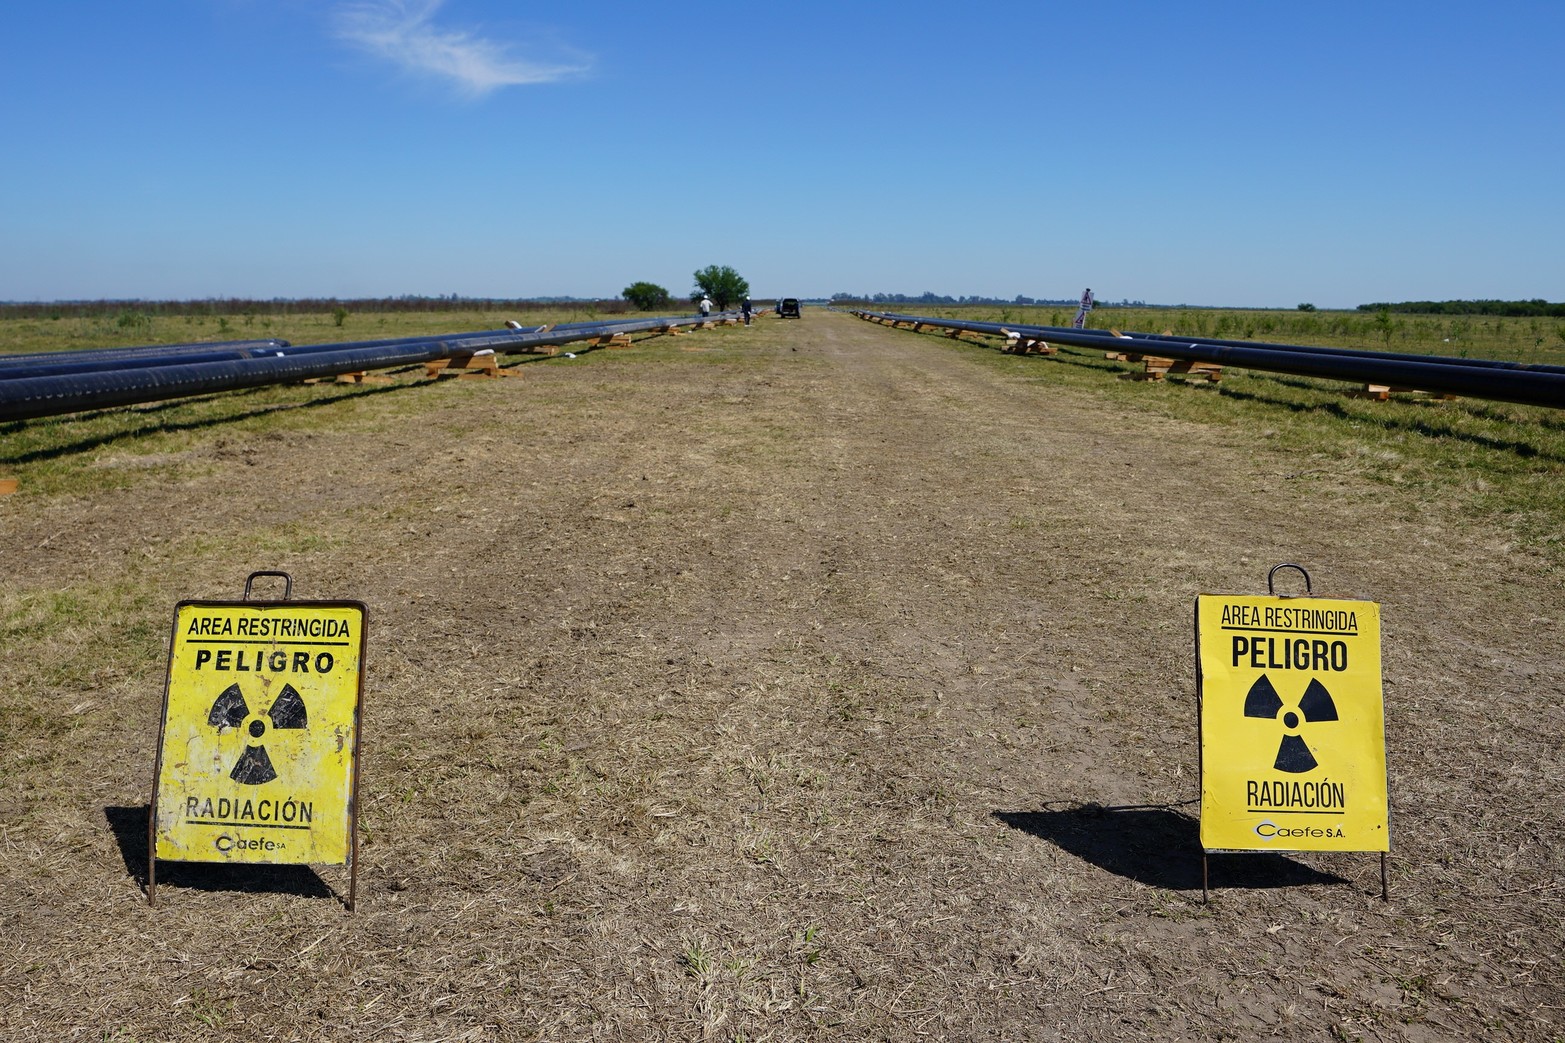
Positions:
(1293, 753)
(230, 711)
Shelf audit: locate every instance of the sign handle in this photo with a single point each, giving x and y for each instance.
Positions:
(1271, 578)
(288, 581)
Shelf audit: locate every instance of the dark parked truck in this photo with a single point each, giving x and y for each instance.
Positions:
(788, 307)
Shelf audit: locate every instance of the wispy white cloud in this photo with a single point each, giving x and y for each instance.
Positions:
(404, 32)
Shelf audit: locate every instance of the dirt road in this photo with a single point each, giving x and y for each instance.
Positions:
(812, 680)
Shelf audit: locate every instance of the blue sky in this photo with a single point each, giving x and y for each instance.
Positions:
(1253, 154)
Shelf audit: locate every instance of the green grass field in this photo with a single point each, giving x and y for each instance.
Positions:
(46, 454)
(1498, 464)
(810, 681)
(1537, 340)
(134, 327)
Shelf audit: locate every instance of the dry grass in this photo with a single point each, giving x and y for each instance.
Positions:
(811, 681)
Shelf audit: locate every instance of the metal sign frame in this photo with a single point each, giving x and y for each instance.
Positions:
(352, 799)
(1201, 736)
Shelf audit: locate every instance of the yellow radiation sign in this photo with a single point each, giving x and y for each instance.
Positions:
(1293, 751)
(258, 756)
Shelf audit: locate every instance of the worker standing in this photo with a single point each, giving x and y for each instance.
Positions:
(706, 306)
(746, 307)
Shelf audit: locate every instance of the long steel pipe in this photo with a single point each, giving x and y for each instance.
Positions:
(29, 397)
(142, 351)
(193, 351)
(90, 361)
(1109, 337)
(1497, 381)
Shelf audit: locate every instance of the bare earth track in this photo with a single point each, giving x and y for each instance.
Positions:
(810, 681)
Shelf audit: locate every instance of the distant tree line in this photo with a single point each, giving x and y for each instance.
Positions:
(929, 297)
(296, 306)
(1535, 307)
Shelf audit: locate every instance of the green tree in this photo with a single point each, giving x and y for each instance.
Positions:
(645, 296)
(1385, 325)
(722, 284)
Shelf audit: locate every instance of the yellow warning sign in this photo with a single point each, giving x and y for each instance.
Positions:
(258, 756)
(1293, 752)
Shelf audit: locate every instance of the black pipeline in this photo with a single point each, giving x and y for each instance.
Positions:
(1047, 332)
(105, 359)
(141, 351)
(1472, 378)
(28, 397)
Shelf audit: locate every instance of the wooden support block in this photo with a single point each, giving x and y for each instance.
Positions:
(1191, 367)
(1383, 393)
(1156, 367)
(362, 377)
(1016, 344)
(1151, 372)
(8, 486)
(481, 364)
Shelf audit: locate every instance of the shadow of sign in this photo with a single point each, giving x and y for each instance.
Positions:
(1157, 846)
(129, 826)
